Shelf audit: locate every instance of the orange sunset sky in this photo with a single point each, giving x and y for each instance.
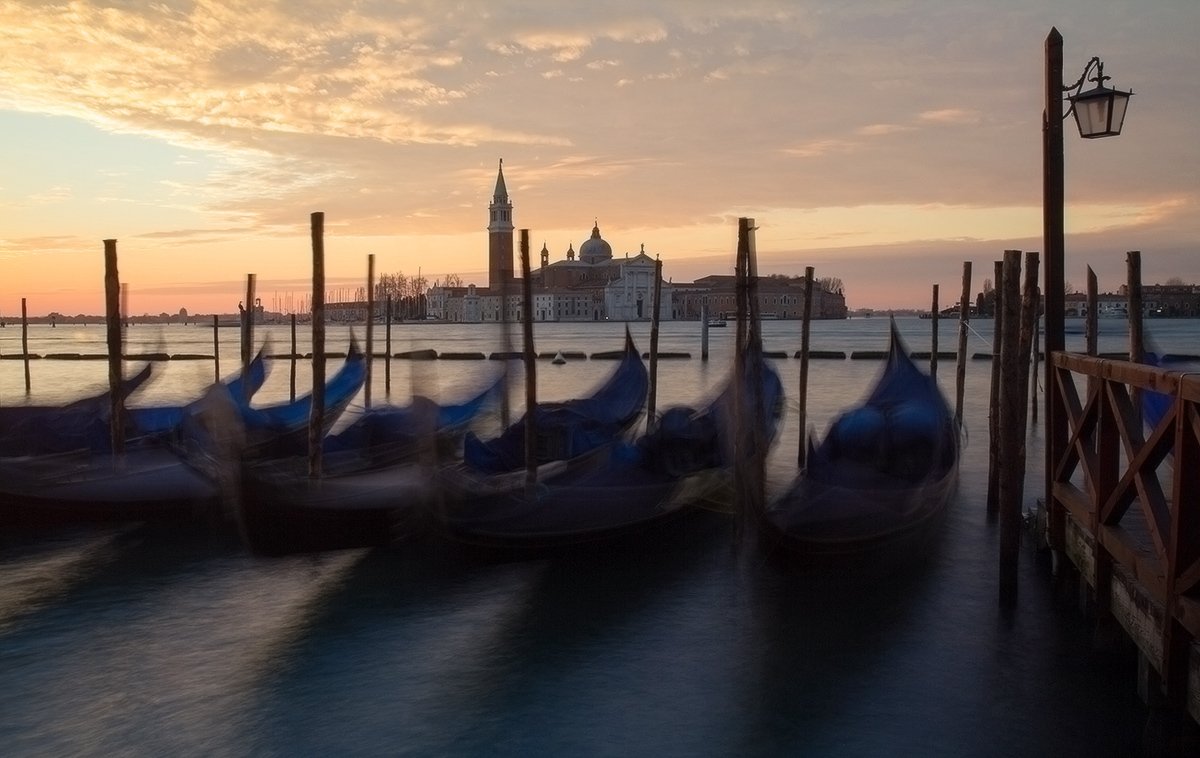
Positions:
(883, 143)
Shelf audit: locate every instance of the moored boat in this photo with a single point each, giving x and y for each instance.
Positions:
(616, 490)
(377, 483)
(880, 482)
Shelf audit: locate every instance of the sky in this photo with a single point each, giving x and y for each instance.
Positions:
(882, 143)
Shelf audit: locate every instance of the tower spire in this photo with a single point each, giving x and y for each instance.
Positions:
(501, 193)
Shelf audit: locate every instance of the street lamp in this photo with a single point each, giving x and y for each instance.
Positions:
(1099, 112)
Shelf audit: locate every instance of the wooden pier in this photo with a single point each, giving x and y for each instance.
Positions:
(1124, 508)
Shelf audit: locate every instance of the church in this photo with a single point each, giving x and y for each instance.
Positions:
(589, 286)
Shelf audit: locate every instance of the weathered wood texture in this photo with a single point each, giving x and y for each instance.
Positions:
(1134, 494)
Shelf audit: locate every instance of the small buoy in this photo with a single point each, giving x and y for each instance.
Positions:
(559, 359)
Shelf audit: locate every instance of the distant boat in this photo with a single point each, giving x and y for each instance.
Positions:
(716, 322)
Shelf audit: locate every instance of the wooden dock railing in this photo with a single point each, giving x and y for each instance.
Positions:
(1125, 507)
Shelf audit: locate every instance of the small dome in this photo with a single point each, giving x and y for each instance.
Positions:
(595, 249)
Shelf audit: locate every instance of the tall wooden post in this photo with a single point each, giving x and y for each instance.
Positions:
(25, 345)
(1012, 387)
(1137, 335)
(216, 348)
(704, 332)
(292, 383)
(530, 370)
(933, 339)
(1092, 320)
(1029, 305)
(805, 332)
(651, 420)
(370, 329)
(316, 416)
(248, 333)
(112, 330)
(964, 319)
(1054, 289)
(387, 342)
(1035, 356)
(993, 491)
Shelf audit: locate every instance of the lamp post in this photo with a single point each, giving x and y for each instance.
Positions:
(1099, 112)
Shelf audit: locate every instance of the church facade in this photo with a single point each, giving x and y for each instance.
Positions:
(590, 286)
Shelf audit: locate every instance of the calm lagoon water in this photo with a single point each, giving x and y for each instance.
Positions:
(138, 641)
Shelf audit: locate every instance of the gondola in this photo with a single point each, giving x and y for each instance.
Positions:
(84, 424)
(617, 490)
(1156, 405)
(568, 429)
(377, 482)
(156, 476)
(880, 482)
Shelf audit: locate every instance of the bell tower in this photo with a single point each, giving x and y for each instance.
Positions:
(500, 234)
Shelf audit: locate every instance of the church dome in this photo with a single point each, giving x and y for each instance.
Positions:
(595, 249)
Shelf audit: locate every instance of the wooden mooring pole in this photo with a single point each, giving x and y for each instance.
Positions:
(964, 320)
(216, 348)
(933, 339)
(993, 490)
(387, 342)
(370, 330)
(651, 415)
(704, 332)
(316, 416)
(112, 331)
(530, 357)
(805, 334)
(25, 345)
(292, 382)
(1091, 320)
(1137, 334)
(1009, 437)
(248, 333)
(1029, 305)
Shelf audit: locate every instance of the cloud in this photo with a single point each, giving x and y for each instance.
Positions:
(952, 116)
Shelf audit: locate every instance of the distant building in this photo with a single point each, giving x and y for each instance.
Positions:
(778, 298)
(593, 285)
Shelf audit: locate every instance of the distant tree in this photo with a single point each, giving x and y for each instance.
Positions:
(453, 280)
(985, 301)
(1175, 281)
(831, 284)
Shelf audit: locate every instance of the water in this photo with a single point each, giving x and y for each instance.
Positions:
(136, 642)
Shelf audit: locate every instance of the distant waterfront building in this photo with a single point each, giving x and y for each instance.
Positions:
(778, 298)
(593, 285)
(1158, 301)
